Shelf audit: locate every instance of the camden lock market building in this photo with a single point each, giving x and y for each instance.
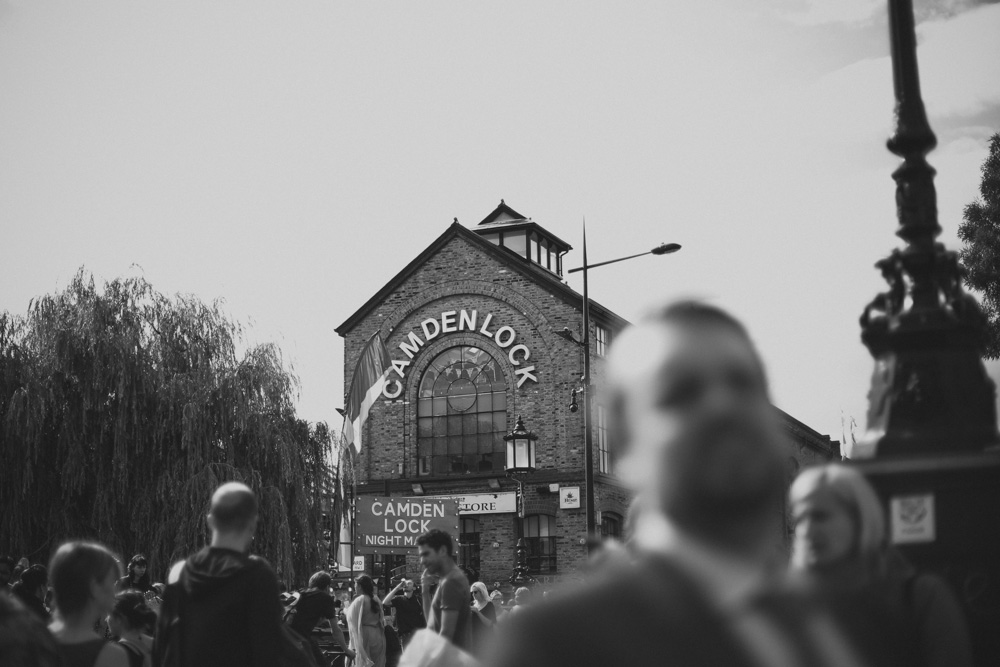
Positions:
(470, 325)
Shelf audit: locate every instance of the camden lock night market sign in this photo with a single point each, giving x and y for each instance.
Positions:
(392, 525)
(454, 321)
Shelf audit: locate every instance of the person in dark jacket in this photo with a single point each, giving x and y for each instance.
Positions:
(136, 577)
(222, 602)
(688, 400)
(313, 604)
(31, 589)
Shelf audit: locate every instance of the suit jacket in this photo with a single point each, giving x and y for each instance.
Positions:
(648, 613)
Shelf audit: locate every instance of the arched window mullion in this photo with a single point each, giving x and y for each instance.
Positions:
(472, 416)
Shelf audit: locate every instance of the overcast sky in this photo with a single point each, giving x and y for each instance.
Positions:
(292, 157)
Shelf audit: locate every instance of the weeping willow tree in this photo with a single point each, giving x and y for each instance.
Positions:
(122, 409)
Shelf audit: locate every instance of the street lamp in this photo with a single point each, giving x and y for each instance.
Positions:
(520, 461)
(520, 449)
(662, 249)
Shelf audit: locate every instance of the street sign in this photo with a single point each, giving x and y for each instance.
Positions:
(484, 503)
(912, 519)
(392, 525)
(569, 497)
(359, 564)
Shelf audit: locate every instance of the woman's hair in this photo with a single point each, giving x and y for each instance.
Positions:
(849, 488)
(481, 587)
(143, 581)
(320, 580)
(136, 561)
(73, 568)
(367, 587)
(131, 607)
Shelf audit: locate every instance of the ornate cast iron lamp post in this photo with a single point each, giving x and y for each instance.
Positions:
(520, 461)
(588, 436)
(930, 447)
(929, 391)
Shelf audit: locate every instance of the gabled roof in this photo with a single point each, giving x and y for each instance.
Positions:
(545, 278)
(502, 214)
(505, 219)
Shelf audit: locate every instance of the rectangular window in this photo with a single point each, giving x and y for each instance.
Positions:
(534, 250)
(603, 337)
(468, 544)
(604, 454)
(515, 241)
(540, 540)
(492, 238)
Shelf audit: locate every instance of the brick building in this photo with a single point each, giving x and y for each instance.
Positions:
(470, 327)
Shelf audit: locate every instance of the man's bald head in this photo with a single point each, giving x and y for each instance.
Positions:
(234, 508)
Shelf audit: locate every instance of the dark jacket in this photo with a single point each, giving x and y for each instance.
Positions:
(230, 613)
(650, 613)
(126, 584)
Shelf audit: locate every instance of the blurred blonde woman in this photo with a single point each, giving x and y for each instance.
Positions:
(841, 547)
(484, 617)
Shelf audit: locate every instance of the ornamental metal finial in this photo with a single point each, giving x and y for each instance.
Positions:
(929, 391)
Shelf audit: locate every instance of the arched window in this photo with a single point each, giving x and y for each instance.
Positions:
(540, 540)
(611, 525)
(461, 413)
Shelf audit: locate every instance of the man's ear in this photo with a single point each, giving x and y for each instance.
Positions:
(210, 520)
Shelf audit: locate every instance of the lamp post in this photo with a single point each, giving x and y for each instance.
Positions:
(588, 438)
(520, 461)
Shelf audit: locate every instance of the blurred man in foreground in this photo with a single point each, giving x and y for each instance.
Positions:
(689, 400)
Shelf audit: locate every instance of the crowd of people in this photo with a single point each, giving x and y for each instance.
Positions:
(696, 582)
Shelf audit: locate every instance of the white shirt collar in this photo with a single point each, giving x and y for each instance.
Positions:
(726, 579)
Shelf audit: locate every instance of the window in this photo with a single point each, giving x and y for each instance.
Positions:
(468, 541)
(514, 241)
(540, 540)
(492, 238)
(603, 451)
(611, 525)
(461, 414)
(535, 250)
(603, 337)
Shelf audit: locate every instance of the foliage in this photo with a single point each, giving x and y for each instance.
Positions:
(122, 409)
(980, 233)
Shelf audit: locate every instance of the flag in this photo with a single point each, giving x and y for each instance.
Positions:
(369, 378)
(345, 548)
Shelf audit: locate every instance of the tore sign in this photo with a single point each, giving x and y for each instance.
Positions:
(392, 525)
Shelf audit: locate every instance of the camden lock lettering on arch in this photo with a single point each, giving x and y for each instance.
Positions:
(455, 321)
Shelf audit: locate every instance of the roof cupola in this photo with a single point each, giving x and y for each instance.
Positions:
(524, 237)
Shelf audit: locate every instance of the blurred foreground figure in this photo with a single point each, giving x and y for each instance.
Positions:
(83, 576)
(221, 606)
(24, 639)
(842, 549)
(689, 399)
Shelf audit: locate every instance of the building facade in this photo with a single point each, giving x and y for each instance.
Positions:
(470, 325)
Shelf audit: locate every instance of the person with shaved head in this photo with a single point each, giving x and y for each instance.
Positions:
(221, 606)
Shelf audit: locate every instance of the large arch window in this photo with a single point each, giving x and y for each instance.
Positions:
(461, 414)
